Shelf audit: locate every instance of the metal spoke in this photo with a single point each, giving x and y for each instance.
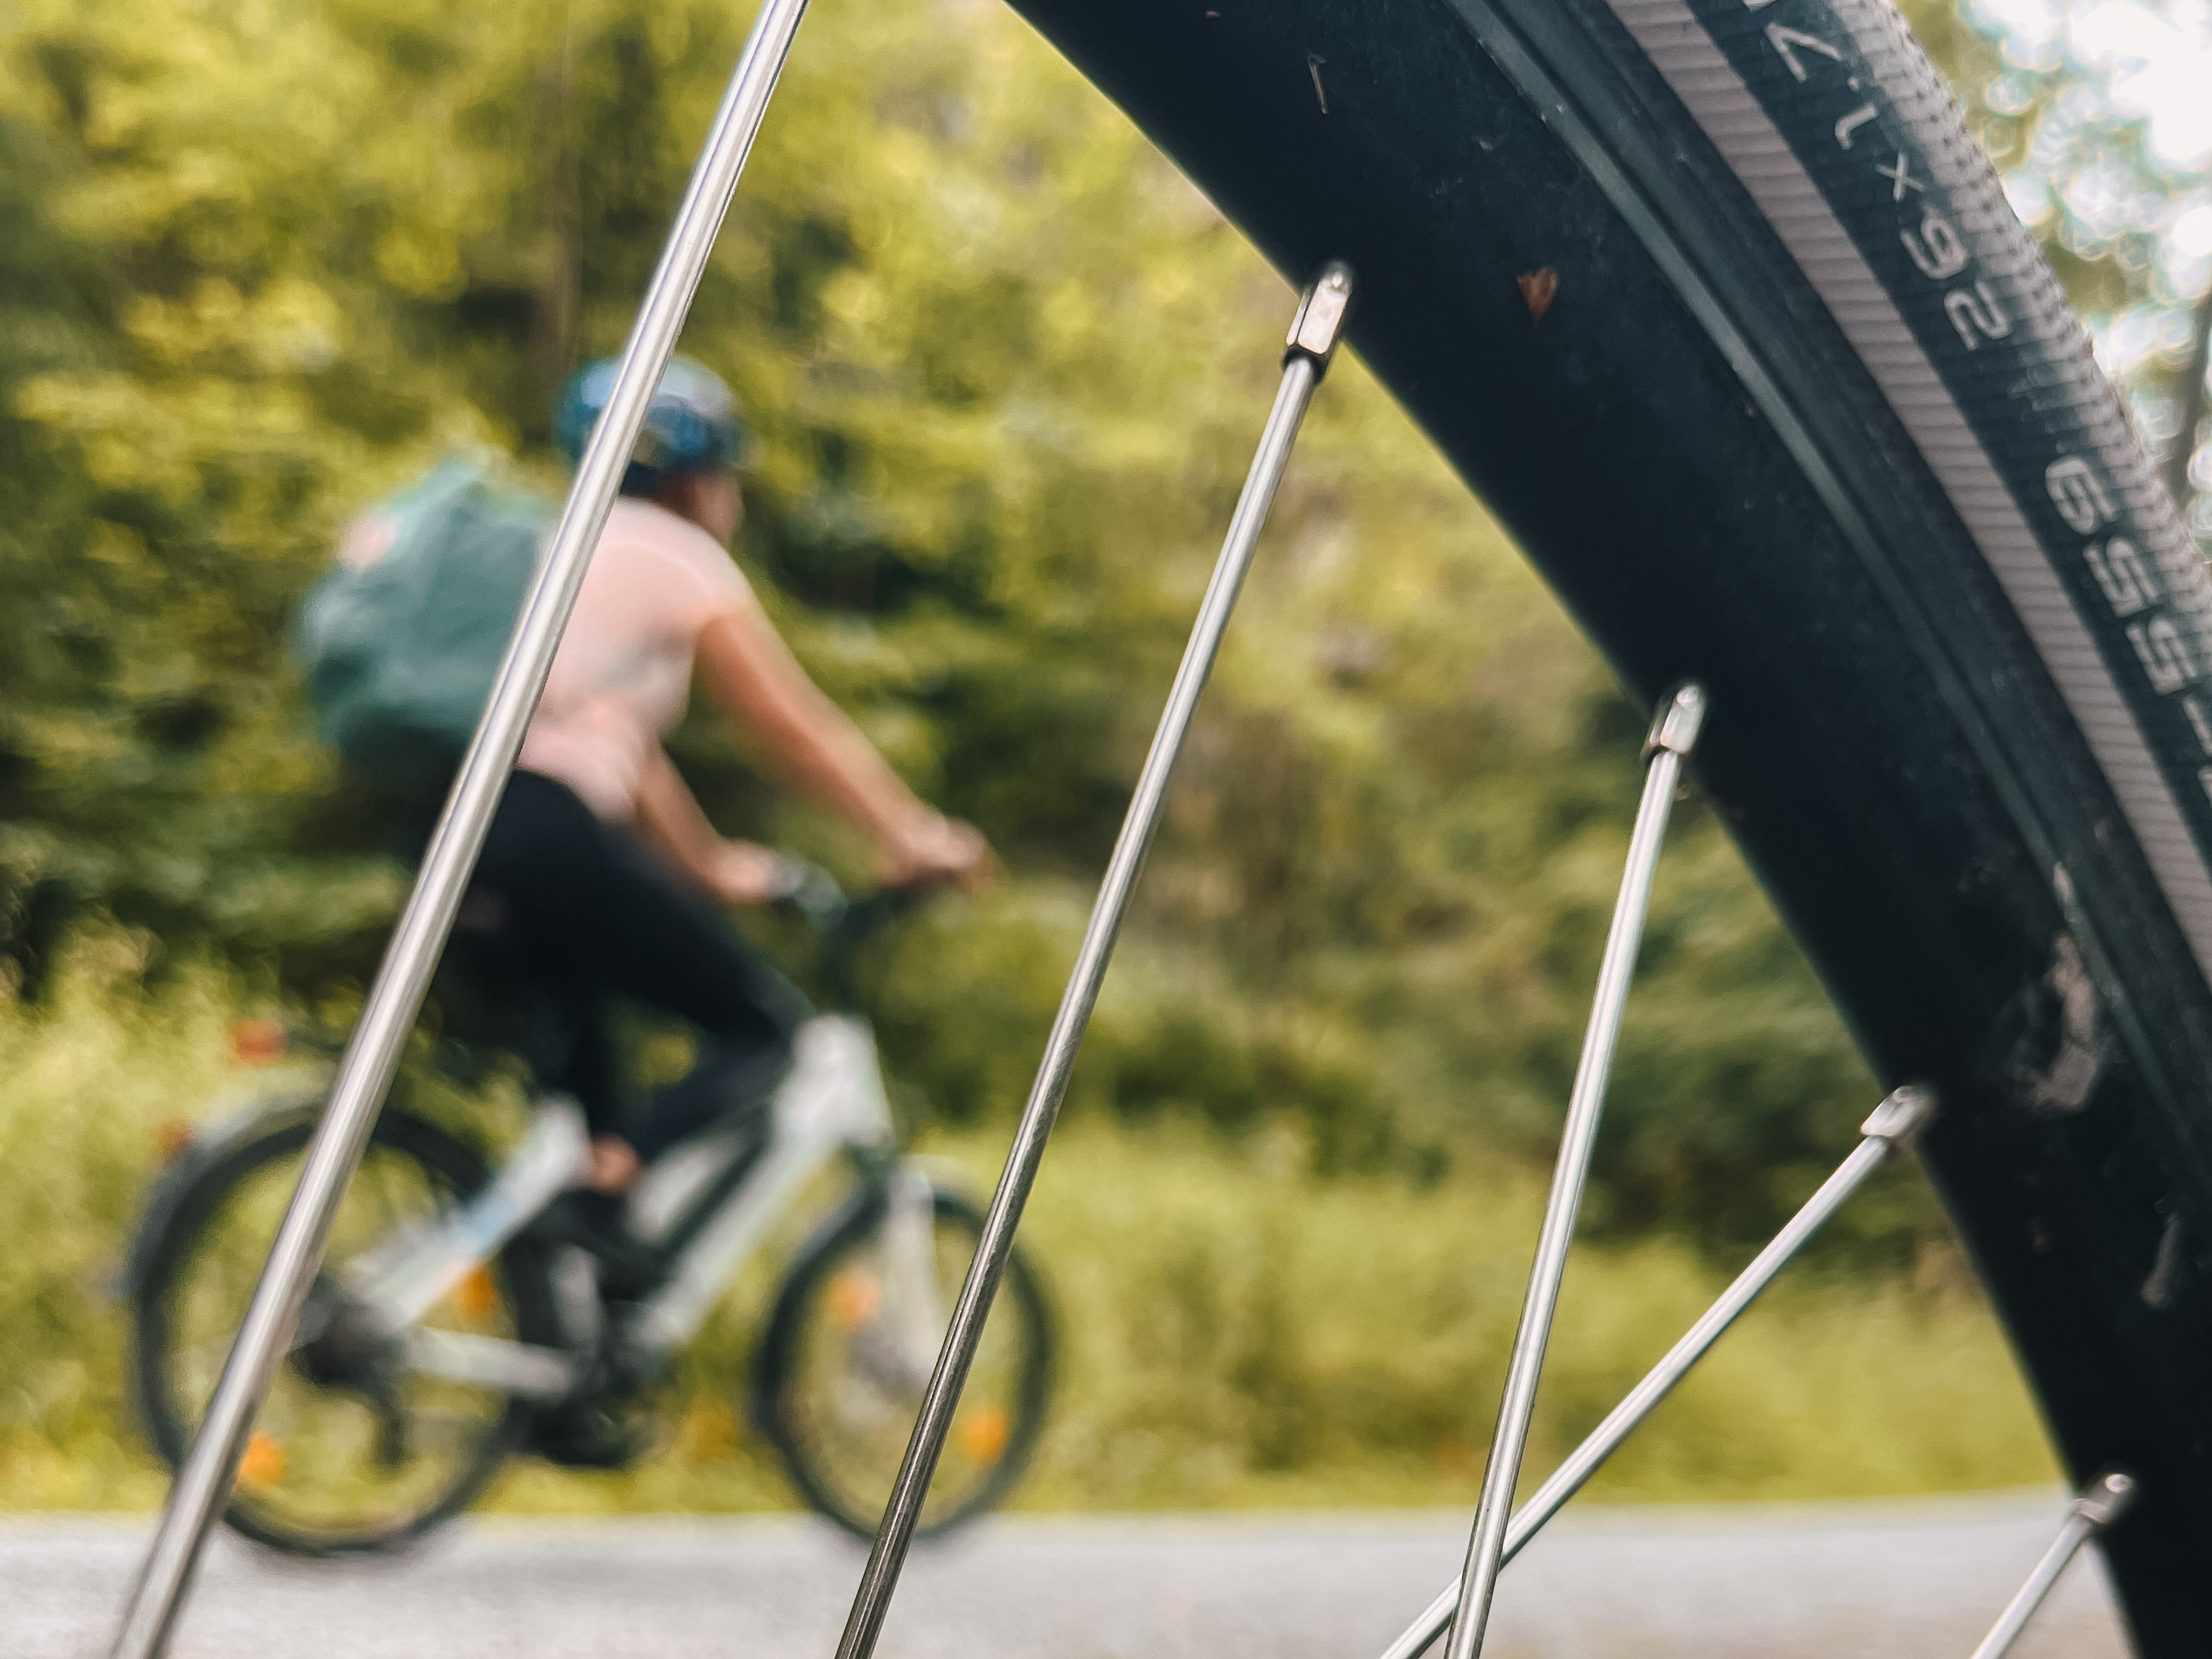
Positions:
(1895, 1124)
(365, 1074)
(1312, 340)
(1674, 732)
(2100, 1503)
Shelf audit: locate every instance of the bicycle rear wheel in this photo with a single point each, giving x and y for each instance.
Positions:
(352, 1452)
(1718, 307)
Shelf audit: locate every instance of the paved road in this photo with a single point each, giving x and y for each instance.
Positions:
(1833, 1581)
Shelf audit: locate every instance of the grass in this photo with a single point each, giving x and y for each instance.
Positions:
(1236, 1332)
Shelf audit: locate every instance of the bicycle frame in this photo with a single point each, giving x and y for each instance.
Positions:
(832, 1101)
(705, 1207)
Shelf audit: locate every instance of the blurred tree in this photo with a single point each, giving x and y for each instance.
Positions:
(1005, 367)
(2100, 116)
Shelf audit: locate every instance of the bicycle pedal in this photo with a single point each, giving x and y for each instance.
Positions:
(595, 1223)
(586, 1436)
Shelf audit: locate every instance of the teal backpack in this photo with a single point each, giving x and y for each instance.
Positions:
(400, 654)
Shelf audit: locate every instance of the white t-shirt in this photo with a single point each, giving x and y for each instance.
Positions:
(623, 676)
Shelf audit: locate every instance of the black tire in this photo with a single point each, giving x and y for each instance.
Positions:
(1807, 419)
(194, 1262)
(808, 1391)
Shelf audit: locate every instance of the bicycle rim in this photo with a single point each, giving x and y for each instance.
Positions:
(1857, 475)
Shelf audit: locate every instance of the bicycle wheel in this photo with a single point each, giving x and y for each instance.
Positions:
(848, 1351)
(352, 1452)
(1718, 307)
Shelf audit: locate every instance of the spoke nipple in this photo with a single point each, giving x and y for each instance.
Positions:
(1903, 1115)
(1321, 310)
(2105, 1499)
(1681, 716)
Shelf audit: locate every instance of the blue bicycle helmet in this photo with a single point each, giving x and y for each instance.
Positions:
(691, 426)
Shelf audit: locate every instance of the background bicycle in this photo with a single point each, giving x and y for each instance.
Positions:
(466, 1315)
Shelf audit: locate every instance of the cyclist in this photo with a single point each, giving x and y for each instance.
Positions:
(601, 877)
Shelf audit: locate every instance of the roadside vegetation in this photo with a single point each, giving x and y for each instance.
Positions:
(1238, 1329)
(260, 264)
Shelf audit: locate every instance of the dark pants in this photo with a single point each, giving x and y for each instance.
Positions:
(571, 912)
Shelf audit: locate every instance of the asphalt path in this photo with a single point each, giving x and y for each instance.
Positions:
(1898, 1580)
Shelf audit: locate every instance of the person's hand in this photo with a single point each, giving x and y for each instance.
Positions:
(746, 872)
(930, 848)
(614, 1167)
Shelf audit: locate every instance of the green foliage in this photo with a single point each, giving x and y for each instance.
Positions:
(93, 1077)
(2095, 120)
(1242, 1331)
(1236, 1328)
(1005, 368)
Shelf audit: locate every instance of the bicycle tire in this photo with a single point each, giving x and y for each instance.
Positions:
(1799, 412)
(192, 1195)
(776, 1408)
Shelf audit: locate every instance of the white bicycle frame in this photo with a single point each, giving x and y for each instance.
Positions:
(832, 1102)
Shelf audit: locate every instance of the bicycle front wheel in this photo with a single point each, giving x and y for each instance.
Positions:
(850, 1347)
(1719, 308)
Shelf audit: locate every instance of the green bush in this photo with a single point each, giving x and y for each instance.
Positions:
(1005, 368)
(1237, 1329)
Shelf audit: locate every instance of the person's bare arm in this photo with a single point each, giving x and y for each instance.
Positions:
(760, 683)
(671, 823)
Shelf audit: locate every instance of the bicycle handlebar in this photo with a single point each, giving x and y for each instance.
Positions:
(845, 923)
